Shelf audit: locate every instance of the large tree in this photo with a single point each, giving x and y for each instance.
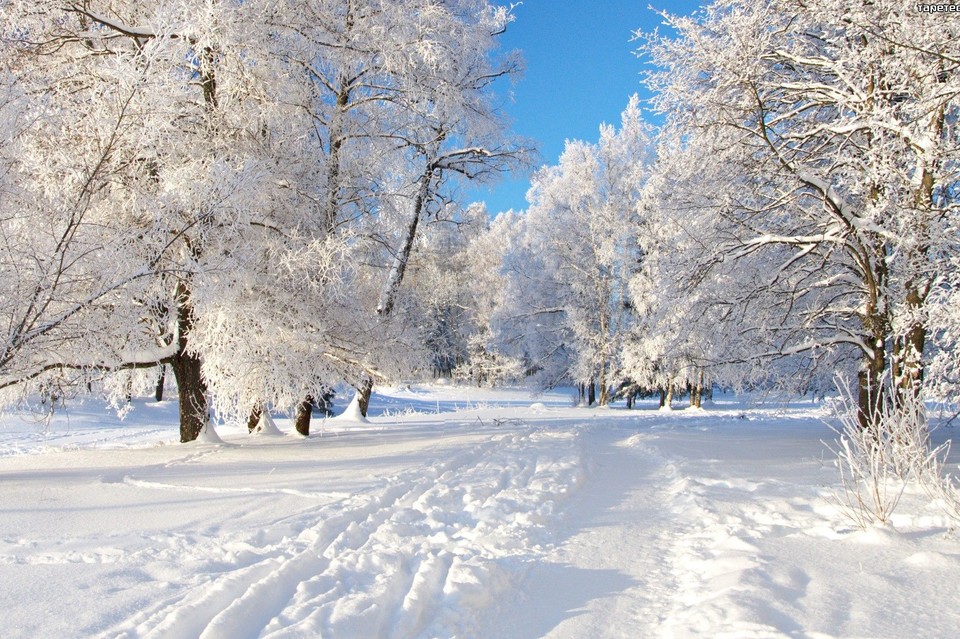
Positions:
(178, 136)
(816, 142)
(451, 129)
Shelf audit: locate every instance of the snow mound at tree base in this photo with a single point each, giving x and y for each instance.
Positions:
(352, 413)
(208, 435)
(266, 426)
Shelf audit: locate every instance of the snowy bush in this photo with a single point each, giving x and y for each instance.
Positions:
(878, 463)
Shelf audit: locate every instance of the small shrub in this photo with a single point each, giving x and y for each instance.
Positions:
(876, 464)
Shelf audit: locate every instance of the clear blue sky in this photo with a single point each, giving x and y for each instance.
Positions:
(580, 71)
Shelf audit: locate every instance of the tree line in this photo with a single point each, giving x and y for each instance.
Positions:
(264, 197)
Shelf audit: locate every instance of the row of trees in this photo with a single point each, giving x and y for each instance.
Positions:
(232, 188)
(811, 154)
(563, 314)
(800, 219)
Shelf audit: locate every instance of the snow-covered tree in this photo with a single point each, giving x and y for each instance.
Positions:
(486, 362)
(818, 146)
(567, 306)
(178, 136)
(451, 127)
(70, 265)
(442, 287)
(114, 94)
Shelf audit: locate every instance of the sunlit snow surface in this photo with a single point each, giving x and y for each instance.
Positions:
(457, 512)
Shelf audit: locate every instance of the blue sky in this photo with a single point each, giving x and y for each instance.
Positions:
(580, 71)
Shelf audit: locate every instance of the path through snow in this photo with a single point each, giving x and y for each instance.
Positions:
(606, 575)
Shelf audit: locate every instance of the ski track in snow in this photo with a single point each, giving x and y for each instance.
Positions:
(407, 559)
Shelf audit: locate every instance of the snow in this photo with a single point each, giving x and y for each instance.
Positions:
(457, 512)
(266, 426)
(352, 412)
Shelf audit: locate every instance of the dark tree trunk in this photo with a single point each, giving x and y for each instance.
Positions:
(188, 371)
(389, 295)
(192, 392)
(663, 397)
(301, 418)
(871, 395)
(254, 417)
(158, 392)
(908, 349)
(915, 341)
(870, 379)
(591, 393)
(208, 78)
(363, 395)
(696, 391)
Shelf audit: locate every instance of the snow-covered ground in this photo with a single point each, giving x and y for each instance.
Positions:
(457, 513)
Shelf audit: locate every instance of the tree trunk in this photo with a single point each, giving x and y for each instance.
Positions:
(363, 395)
(668, 401)
(604, 397)
(389, 295)
(302, 415)
(337, 139)
(188, 371)
(254, 417)
(870, 378)
(871, 395)
(663, 397)
(876, 324)
(696, 391)
(158, 392)
(591, 393)
(192, 393)
(908, 349)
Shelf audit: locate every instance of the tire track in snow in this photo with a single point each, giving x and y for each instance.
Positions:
(389, 562)
(220, 490)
